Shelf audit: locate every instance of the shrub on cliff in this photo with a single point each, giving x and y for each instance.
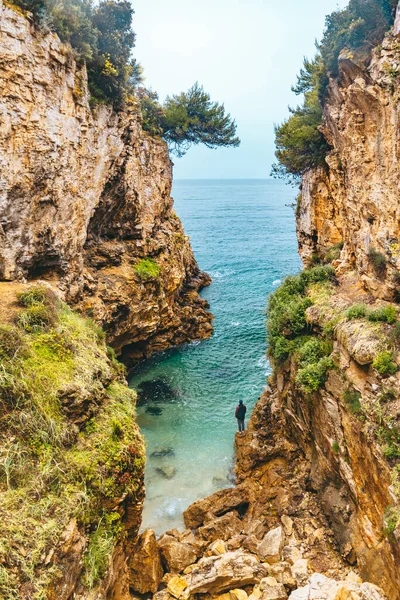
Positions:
(359, 27)
(101, 34)
(187, 119)
(384, 363)
(147, 268)
(313, 376)
(286, 312)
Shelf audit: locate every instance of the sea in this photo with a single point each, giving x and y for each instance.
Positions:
(243, 234)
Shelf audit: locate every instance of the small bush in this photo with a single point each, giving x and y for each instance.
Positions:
(387, 395)
(385, 314)
(384, 363)
(312, 377)
(352, 398)
(35, 318)
(335, 447)
(313, 350)
(391, 520)
(357, 311)
(378, 261)
(11, 342)
(147, 268)
(281, 348)
(34, 296)
(395, 334)
(333, 253)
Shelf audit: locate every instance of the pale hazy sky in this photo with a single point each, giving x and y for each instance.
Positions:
(245, 53)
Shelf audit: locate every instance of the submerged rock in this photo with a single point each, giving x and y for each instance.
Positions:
(155, 411)
(164, 452)
(156, 390)
(168, 472)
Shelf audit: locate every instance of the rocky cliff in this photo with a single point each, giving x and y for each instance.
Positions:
(316, 509)
(85, 200)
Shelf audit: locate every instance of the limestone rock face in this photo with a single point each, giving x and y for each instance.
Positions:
(145, 564)
(85, 196)
(355, 200)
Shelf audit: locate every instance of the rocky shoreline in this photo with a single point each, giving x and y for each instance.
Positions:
(267, 538)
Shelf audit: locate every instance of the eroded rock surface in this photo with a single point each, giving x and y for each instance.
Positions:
(85, 196)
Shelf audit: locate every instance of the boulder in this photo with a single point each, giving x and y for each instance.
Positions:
(221, 528)
(287, 524)
(270, 548)
(145, 564)
(291, 554)
(217, 574)
(218, 547)
(176, 555)
(300, 571)
(238, 595)
(176, 586)
(320, 587)
(282, 573)
(218, 504)
(271, 589)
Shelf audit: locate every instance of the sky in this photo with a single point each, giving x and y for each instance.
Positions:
(246, 54)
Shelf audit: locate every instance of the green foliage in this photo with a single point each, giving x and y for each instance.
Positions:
(352, 398)
(391, 521)
(147, 268)
(34, 296)
(378, 261)
(333, 253)
(384, 364)
(11, 342)
(187, 119)
(357, 311)
(35, 318)
(53, 465)
(359, 27)
(287, 307)
(313, 376)
(300, 145)
(101, 34)
(313, 350)
(385, 314)
(335, 447)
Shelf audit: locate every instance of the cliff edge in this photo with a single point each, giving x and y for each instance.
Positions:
(85, 200)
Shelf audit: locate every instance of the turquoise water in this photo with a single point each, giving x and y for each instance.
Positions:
(243, 234)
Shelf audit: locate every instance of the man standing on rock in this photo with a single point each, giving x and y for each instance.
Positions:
(240, 414)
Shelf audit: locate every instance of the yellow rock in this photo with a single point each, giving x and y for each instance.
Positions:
(176, 585)
(218, 547)
(353, 577)
(238, 595)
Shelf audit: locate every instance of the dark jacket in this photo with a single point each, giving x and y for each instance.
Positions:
(240, 411)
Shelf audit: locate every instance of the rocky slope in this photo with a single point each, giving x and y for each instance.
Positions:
(71, 455)
(85, 200)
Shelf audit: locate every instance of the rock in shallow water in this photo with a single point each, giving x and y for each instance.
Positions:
(162, 453)
(168, 472)
(156, 390)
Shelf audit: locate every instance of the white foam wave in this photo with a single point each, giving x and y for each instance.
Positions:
(276, 282)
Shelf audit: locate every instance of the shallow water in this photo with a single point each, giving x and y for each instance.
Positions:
(243, 234)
